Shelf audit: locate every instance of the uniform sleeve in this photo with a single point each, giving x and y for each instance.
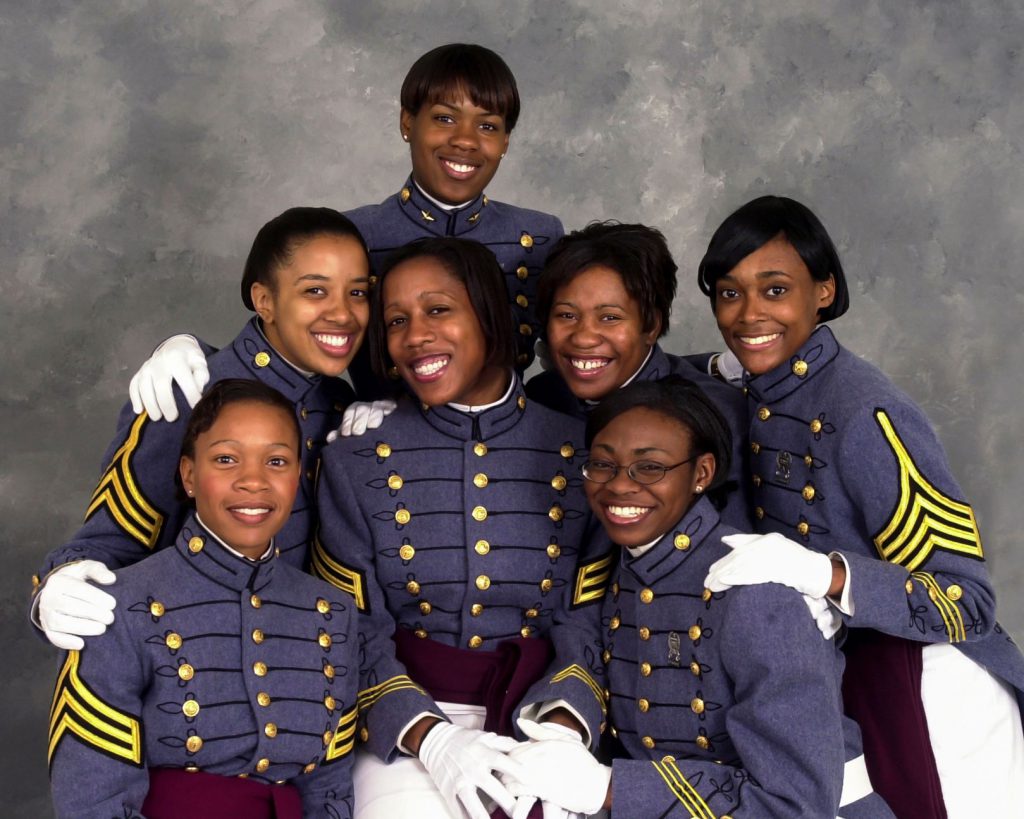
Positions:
(96, 752)
(927, 580)
(343, 555)
(786, 725)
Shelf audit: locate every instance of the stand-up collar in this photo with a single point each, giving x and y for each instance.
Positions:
(266, 365)
(816, 353)
(675, 547)
(420, 210)
(479, 426)
(203, 552)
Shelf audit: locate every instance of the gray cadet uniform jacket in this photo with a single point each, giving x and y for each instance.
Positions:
(725, 704)
(135, 509)
(842, 460)
(215, 663)
(464, 528)
(518, 237)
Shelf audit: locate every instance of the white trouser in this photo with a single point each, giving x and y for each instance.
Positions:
(975, 729)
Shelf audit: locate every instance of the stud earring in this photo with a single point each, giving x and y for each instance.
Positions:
(188, 492)
(405, 137)
(502, 156)
(698, 489)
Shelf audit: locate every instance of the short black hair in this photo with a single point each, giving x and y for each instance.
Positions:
(443, 72)
(277, 240)
(216, 398)
(639, 254)
(681, 400)
(759, 221)
(477, 268)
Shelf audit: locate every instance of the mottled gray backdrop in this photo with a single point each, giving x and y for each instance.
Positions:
(142, 144)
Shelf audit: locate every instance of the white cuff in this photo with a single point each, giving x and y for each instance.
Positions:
(845, 601)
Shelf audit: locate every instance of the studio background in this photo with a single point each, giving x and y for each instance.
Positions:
(142, 144)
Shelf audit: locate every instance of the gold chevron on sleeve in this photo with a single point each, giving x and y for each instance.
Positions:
(120, 494)
(344, 739)
(592, 581)
(368, 696)
(580, 673)
(78, 711)
(945, 605)
(338, 574)
(683, 790)
(924, 519)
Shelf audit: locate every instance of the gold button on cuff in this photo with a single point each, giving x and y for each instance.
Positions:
(522, 272)
(815, 426)
(421, 633)
(645, 633)
(476, 641)
(807, 492)
(695, 668)
(186, 672)
(614, 623)
(694, 633)
(255, 601)
(261, 359)
(526, 240)
(482, 547)
(476, 609)
(324, 640)
(406, 552)
(645, 669)
(697, 705)
(646, 596)
(703, 743)
(643, 705)
(531, 613)
(190, 708)
(546, 584)
(480, 450)
(259, 669)
(395, 482)
(156, 609)
(425, 607)
(263, 698)
(257, 635)
(195, 545)
(403, 516)
(648, 742)
(383, 451)
(329, 672)
(803, 527)
(330, 703)
(193, 744)
(799, 368)
(270, 730)
(554, 550)
(173, 641)
(479, 513)
(483, 582)
(522, 301)
(567, 451)
(705, 595)
(322, 605)
(954, 592)
(412, 587)
(556, 513)
(479, 480)
(764, 413)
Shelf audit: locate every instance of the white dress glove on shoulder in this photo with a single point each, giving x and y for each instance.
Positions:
(771, 558)
(69, 607)
(462, 761)
(178, 359)
(360, 416)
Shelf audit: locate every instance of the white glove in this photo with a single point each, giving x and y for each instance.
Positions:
(770, 558)
(463, 760)
(362, 415)
(70, 608)
(826, 617)
(558, 769)
(545, 730)
(180, 359)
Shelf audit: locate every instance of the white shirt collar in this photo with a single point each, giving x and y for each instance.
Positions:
(235, 552)
(482, 407)
(442, 205)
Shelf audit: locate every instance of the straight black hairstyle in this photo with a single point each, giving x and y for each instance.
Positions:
(759, 221)
(639, 254)
(681, 400)
(478, 269)
(277, 240)
(223, 394)
(443, 72)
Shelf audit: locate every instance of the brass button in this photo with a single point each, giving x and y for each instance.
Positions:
(803, 527)
(606, 656)
(554, 550)
(522, 272)
(531, 613)
(522, 358)
(909, 587)
(364, 734)
(186, 672)
(480, 449)
(615, 588)
(195, 545)
(156, 609)
(695, 668)
(425, 607)
(522, 301)
(483, 582)
(807, 492)
(261, 359)
(330, 703)
(173, 641)
(190, 708)
(328, 736)
(703, 743)
(525, 631)
(932, 595)
(412, 587)
(421, 633)
(259, 669)
(395, 482)
(476, 609)
(646, 596)
(799, 368)
(808, 460)
(324, 640)
(756, 479)
(764, 413)
(322, 605)
(645, 669)
(480, 480)
(482, 547)
(257, 635)
(270, 730)
(329, 672)
(383, 451)
(309, 474)
(697, 705)
(613, 732)
(645, 633)
(558, 483)
(694, 633)
(406, 551)
(815, 426)
(556, 513)
(525, 330)
(262, 765)
(681, 542)
(309, 768)
(954, 592)
(255, 601)
(648, 742)
(404, 195)
(566, 451)
(476, 641)
(643, 705)
(479, 513)
(304, 413)
(705, 595)
(755, 447)
(614, 623)
(193, 744)
(546, 584)
(263, 698)
(520, 401)
(526, 240)
(759, 512)
(402, 516)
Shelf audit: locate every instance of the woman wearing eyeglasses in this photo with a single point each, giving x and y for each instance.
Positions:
(722, 703)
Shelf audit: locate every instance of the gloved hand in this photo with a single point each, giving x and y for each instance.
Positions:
(546, 730)
(770, 558)
(180, 359)
(69, 607)
(558, 769)
(362, 415)
(826, 617)
(463, 760)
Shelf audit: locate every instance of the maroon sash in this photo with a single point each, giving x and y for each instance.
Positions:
(882, 692)
(174, 793)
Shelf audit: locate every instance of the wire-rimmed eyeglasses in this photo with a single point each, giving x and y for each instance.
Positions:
(644, 472)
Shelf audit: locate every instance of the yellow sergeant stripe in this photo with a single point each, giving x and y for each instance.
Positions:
(77, 709)
(592, 580)
(369, 696)
(344, 739)
(338, 574)
(951, 616)
(683, 790)
(581, 674)
(925, 519)
(124, 500)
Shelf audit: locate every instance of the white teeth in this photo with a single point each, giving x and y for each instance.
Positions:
(432, 366)
(629, 511)
(331, 341)
(759, 339)
(588, 363)
(258, 510)
(455, 166)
